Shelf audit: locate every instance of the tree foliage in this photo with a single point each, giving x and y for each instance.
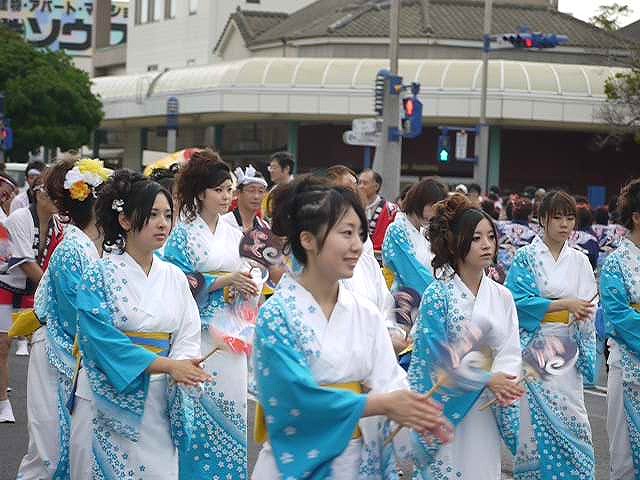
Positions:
(609, 16)
(622, 108)
(48, 99)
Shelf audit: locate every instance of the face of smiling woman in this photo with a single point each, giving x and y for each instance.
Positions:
(341, 250)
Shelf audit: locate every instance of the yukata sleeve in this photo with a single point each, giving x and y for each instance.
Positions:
(584, 332)
(102, 343)
(508, 359)
(621, 318)
(179, 251)
(64, 278)
(521, 281)
(386, 373)
(308, 426)
(507, 355)
(185, 343)
(397, 255)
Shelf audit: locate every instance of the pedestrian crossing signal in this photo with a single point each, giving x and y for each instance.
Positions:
(444, 148)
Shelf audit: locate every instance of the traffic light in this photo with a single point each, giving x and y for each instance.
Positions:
(525, 38)
(444, 148)
(411, 117)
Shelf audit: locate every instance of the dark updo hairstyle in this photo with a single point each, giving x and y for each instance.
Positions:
(137, 194)
(451, 231)
(79, 211)
(426, 192)
(521, 209)
(166, 176)
(556, 202)
(311, 204)
(204, 170)
(629, 203)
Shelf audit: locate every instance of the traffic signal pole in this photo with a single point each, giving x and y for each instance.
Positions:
(481, 169)
(388, 154)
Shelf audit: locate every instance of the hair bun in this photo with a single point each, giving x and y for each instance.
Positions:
(287, 202)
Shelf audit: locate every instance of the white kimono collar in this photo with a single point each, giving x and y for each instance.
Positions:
(542, 249)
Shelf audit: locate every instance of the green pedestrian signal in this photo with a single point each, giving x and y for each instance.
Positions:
(444, 147)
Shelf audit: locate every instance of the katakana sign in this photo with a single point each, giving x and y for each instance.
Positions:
(61, 24)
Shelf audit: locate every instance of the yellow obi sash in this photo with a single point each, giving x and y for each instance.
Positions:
(636, 306)
(389, 277)
(25, 323)
(260, 433)
(155, 342)
(561, 316)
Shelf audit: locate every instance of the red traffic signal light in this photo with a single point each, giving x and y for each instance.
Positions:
(409, 106)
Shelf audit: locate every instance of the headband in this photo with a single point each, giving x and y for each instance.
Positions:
(249, 176)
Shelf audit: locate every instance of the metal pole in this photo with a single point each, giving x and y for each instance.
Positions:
(171, 140)
(394, 36)
(481, 169)
(388, 157)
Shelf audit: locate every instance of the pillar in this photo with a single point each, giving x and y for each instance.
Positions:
(495, 142)
(292, 142)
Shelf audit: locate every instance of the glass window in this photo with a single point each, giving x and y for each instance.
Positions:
(142, 11)
(193, 6)
(170, 9)
(158, 8)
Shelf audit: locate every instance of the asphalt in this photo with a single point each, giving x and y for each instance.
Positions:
(14, 438)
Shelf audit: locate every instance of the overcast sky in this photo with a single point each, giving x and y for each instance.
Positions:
(584, 9)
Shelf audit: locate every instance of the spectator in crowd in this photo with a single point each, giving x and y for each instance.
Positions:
(32, 173)
(473, 194)
(379, 211)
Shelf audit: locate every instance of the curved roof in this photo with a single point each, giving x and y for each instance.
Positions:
(300, 79)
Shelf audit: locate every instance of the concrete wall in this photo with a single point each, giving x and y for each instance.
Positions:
(234, 48)
(188, 39)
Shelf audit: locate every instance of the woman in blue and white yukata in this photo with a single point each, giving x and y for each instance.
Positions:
(139, 336)
(465, 311)
(406, 250)
(553, 286)
(71, 184)
(318, 347)
(620, 299)
(206, 249)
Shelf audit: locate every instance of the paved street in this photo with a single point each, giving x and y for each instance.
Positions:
(13, 438)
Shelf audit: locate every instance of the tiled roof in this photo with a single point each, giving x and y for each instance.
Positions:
(252, 24)
(448, 19)
(631, 31)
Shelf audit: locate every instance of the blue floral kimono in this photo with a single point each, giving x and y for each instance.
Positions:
(407, 253)
(126, 319)
(303, 362)
(52, 365)
(447, 313)
(620, 299)
(555, 438)
(220, 442)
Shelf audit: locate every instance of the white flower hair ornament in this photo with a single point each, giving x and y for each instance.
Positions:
(118, 205)
(84, 177)
(248, 175)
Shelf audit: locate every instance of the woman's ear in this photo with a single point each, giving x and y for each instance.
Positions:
(308, 242)
(124, 222)
(635, 218)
